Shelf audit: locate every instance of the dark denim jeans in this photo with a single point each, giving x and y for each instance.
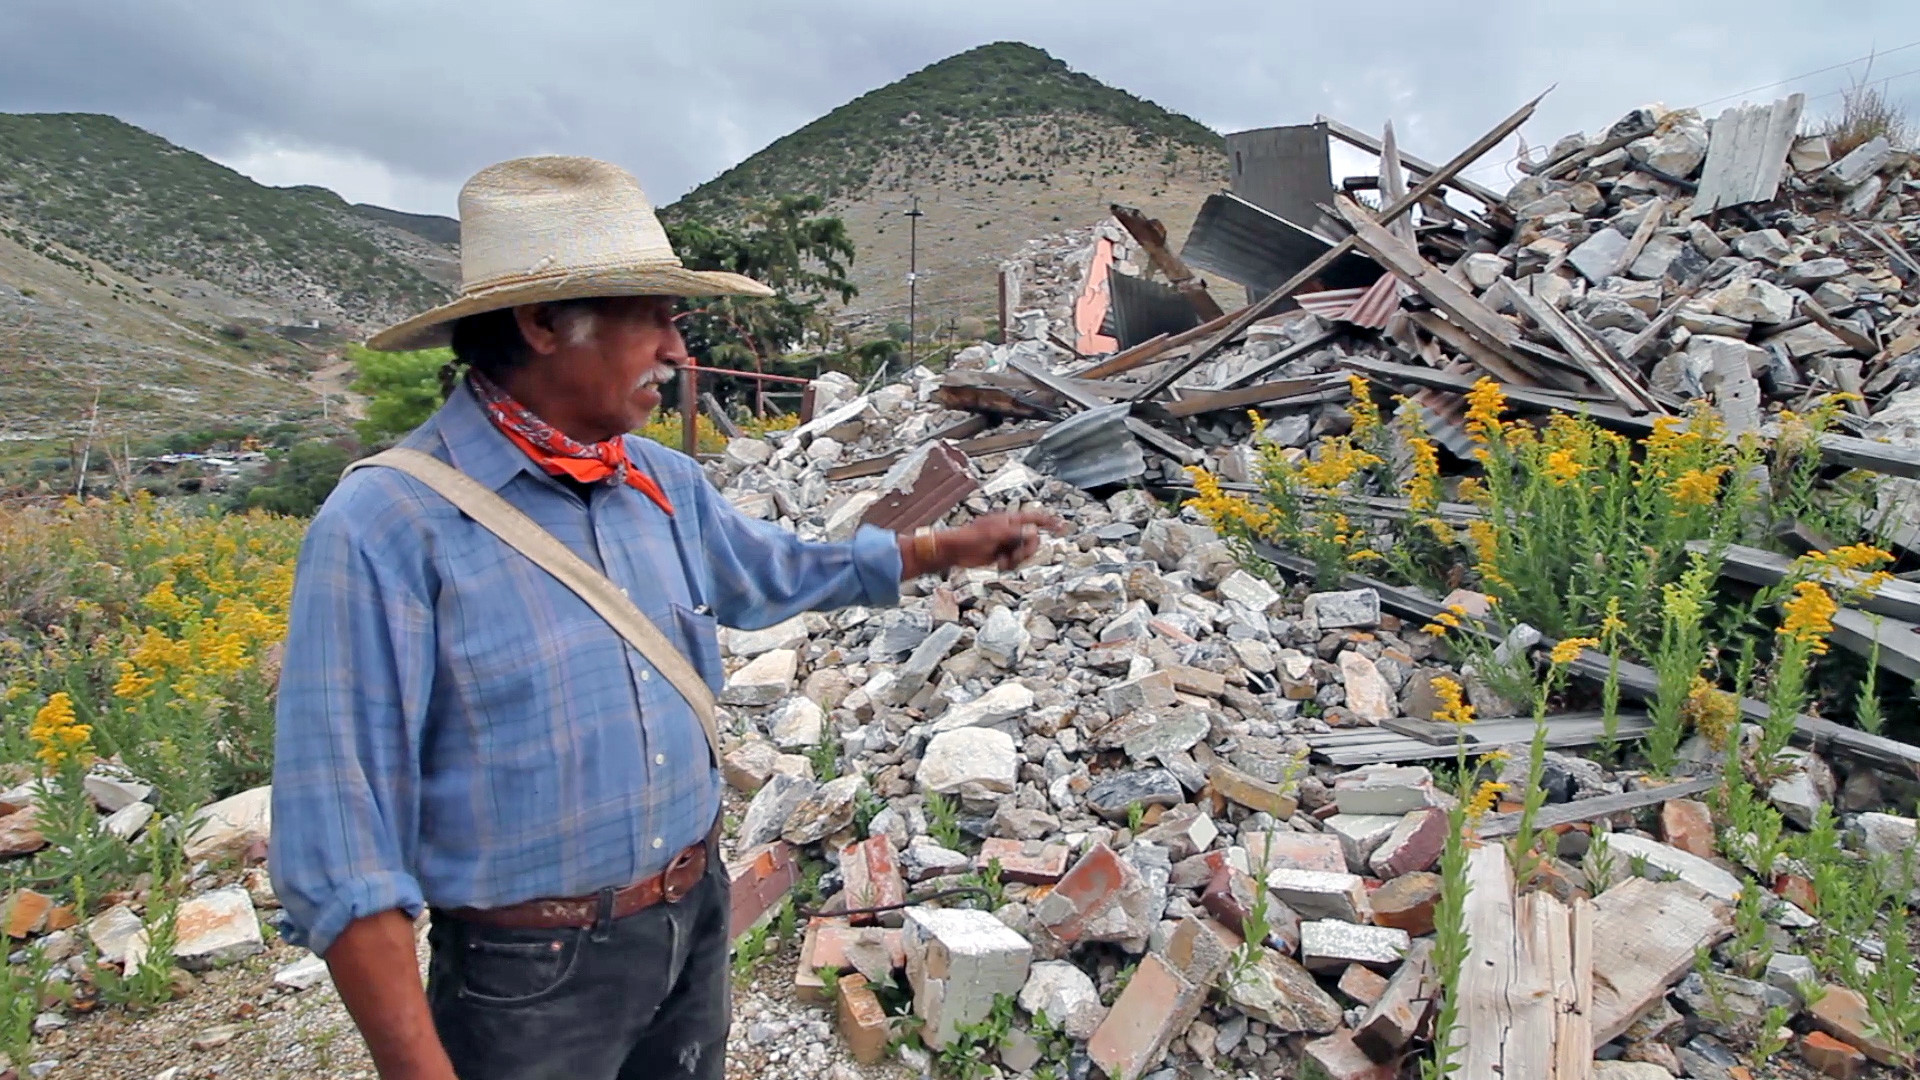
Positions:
(638, 998)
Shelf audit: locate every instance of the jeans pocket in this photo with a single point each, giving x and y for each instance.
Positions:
(698, 636)
(515, 967)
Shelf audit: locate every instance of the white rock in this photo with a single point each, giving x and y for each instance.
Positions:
(114, 932)
(791, 634)
(1248, 591)
(303, 974)
(745, 452)
(798, 724)
(127, 821)
(1066, 994)
(983, 758)
(232, 825)
(844, 520)
(216, 927)
(1752, 300)
(1368, 695)
(958, 961)
(1339, 610)
(1003, 640)
(765, 680)
(1688, 867)
(1008, 701)
(110, 794)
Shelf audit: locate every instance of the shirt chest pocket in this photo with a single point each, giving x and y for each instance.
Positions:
(696, 635)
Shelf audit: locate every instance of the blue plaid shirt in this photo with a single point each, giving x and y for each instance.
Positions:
(457, 728)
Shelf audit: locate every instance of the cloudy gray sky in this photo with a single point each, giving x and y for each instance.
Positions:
(397, 101)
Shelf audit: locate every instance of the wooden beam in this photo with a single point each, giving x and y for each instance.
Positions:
(1508, 986)
(1153, 238)
(1252, 313)
(1354, 136)
(1652, 931)
(1461, 341)
(1897, 599)
(1494, 826)
(1846, 332)
(1638, 242)
(1284, 391)
(1588, 354)
(1145, 432)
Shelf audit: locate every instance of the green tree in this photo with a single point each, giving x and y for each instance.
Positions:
(302, 480)
(402, 389)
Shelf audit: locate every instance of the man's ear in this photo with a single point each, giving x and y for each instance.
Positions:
(536, 324)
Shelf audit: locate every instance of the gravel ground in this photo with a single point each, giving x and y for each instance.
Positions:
(284, 1035)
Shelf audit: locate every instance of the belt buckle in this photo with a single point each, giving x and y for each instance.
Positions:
(669, 883)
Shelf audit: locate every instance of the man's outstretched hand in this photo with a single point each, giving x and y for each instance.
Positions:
(1002, 540)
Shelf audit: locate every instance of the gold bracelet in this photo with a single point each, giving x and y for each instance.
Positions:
(925, 546)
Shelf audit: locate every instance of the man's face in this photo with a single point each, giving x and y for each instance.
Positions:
(608, 374)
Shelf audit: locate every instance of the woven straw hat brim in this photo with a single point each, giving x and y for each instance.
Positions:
(435, 328)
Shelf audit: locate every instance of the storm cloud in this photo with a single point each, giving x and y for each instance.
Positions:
(397, 103)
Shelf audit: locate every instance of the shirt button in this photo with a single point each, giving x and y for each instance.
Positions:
(657, 842)
(659, 759)
(646, 676)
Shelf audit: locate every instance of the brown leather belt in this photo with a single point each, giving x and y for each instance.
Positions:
(676, 881)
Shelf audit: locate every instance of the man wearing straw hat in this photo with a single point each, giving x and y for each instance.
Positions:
(497, 697)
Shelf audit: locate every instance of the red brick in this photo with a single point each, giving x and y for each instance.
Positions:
(761, 878)
(1295, 851)
(1797, 891)
(1831, 1056)
(863, 1023)
(1029, 861)
(1340, 1059)
(872, 877)
(27, 913)
(61, 918)
(1406, 903)
(1843, 1014)
(1229, 898)
(1362, 984)
(1414, 845)
(1157, 1004)
(1094, 881)
(1688, 825)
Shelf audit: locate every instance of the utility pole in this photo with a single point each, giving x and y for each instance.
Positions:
(913, 281)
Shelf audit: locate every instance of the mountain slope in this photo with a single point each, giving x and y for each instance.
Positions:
(1001, 143)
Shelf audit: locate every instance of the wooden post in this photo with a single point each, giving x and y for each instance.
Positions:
(806, 403)
(689, 412)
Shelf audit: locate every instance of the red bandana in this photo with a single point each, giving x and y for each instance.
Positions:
(603, 462)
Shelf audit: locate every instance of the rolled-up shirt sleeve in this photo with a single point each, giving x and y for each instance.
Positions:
(355, 681)
(764, 574)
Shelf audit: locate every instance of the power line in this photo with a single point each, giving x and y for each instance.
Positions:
(1807, 74)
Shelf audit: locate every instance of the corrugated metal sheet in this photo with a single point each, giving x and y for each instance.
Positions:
(1246, 244)
(1143, 309)
(1369, 307)
(1285, 171)
(945, 479)
(1090, 449)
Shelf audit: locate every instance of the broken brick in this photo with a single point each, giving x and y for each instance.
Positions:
(1157, 1004)
(1843, 1014)
(863, 1023)
(1688, 825)
(1831, 1056)
(1362, 984)
(760, 879)
(1229, 897)
(1093, 887)
(1339, 1059)
(1414, 845)
(1406, 903)
(1033, 862)
(27, 912)
(1797, 891)
(872, 877)
(1251, 792)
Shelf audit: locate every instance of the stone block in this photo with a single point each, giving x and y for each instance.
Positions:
(1843, 1014)
(1153, 690)
(231, 826)
(1268, 851)
(771, 808)
(983, 759)
(303, 974)
(1332, 944)
(1384, 789)
(1598, 257)
(1360, 836)
(1362, 984)
(1248, 591)
(1278, 992)
(117, 933)
(747, 766)
(1317, 894)
(1831, 1056)
(1414, 844)
(216, 927)
(1116, 794)
(746, 644)
(1338, 1058)
(1369, 696)
(958, 961)
(1691, 869)
(112, 795)
(798, 724)
(1252, 792)
(764, 680)
(1687, 824)
(26, 913)
(1004, 703)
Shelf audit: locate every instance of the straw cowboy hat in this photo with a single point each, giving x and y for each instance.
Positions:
(539, 229)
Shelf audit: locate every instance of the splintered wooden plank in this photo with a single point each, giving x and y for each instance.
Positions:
(1571, 966)
(1747, 154)
(1440, 290)
(1591, 359)
(1366, 142)
(1506, 995)
(1389, 1025)
(1494, 826)
(1652, 931)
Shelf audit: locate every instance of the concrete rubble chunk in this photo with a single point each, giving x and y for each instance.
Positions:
(771, 807)
(1392, 789)
(1278, 992)
(958, 961)
(1294, 851)
(127, 822)
(748, 766)
(1752, 300)
(1248, 591)
(1332, 944)
(1114, 796)
(303, 974)
(1598, 256)
(798, 724)
(216, 927)
(1368, 695)
(1250, 791)
(1319, 894)
(1066, 995)
(1360, 836)
(1153, 690)
(791, 634)
(764, 680)
(1340, 610)
(824, 812)
(982, 758)
(111, 794)
(1004, 639)
(1858, 165)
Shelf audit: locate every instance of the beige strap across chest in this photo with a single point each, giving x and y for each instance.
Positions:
(524, 535)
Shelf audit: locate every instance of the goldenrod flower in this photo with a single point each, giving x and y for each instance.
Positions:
(1366, 555)
(1561, 468)
(1484, 797)
(1710, 711)
(1485, 403)
(1471, 490)
(1453, 705)
(57, 733)
(1496, 757)
(1366, 415)
(1696, 487)
(1809, 615)
(1445, 620)
(1567, 651)
(1611, 624)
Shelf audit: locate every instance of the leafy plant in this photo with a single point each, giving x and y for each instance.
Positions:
(943, 820)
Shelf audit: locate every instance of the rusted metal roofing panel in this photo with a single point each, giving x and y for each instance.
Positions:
(1261, 250)
(1375, 306)
(945, 479)
(1090, 449)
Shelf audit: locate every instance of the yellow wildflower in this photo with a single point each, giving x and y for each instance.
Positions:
(1366, 555)
(1561, 467)
(1710, 711)
(1485, 403)
(1567, 651)
(1453, 705)
(1366, 415)
(1851, 557)
(1809, 615)
(1611, 624)
(57, 732)
(1471, 490)
(1496, 757)
(1339, 460)
(1445, 620)
(133, 685)
(1484, 797)
(1695, 488)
